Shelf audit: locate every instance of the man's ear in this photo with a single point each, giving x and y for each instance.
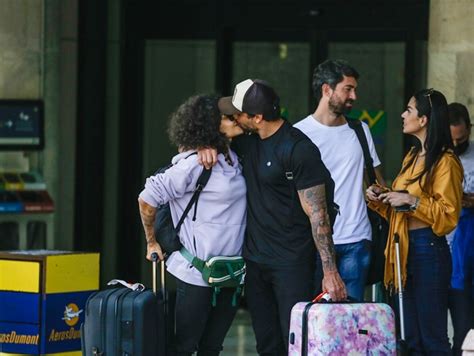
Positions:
(326, 89)
(258, 118)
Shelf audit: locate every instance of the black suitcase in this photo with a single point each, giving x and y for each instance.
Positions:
(121, 321)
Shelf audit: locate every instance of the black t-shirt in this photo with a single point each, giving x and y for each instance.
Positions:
(278, 230)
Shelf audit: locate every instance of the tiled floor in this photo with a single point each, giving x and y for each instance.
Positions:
(240, 340)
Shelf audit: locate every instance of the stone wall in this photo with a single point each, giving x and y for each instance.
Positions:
(38, 55)
(451, 50)
(20, 49)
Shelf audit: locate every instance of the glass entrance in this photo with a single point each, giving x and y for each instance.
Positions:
(174, 70)
(286, 66)
(380, 94)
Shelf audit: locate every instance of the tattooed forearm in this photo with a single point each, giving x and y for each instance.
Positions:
(147, 214)
(313, 201)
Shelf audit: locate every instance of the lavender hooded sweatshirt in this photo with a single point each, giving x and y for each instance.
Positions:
(221, 211)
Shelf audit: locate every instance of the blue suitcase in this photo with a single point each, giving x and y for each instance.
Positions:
(121, 321)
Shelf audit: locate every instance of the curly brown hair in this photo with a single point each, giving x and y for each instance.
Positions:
(196, 123)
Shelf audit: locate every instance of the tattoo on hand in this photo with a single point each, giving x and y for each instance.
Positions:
(314, 203)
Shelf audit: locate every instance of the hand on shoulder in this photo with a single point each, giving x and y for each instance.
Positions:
(207, 157)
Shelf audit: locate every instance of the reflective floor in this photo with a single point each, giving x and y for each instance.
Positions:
(240, 340)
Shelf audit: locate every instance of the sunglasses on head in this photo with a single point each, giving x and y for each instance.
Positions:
(428, 94)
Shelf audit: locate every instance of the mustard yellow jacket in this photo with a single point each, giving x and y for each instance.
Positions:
(439, 207)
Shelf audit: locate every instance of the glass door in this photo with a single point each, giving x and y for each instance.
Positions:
(285, 65)
(174, 70)
(381, 86)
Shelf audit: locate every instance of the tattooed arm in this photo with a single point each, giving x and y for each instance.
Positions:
(313, 201)
(147, 214)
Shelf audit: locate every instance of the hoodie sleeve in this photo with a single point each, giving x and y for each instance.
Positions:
(172, 184)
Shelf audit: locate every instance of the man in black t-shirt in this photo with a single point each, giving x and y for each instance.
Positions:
(278, 229)
(286, 215)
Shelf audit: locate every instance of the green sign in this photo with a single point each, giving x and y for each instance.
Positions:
(377, 121)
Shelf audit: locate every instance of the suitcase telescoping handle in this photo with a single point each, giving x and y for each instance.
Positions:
(164, 295)
(400, 287)
(154, 257)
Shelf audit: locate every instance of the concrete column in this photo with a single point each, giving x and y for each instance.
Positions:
(451, 50)
(66, 37)
(38, 53)
(20, 49)
(109, 252)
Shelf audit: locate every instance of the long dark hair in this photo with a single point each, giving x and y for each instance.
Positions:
(433, 105)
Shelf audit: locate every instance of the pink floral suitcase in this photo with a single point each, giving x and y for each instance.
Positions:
(342, 329)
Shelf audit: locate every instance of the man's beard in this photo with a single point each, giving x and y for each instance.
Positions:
(247, 129)
(461, 148)
(339, 107)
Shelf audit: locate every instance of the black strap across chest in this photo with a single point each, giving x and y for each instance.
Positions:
(356, 125)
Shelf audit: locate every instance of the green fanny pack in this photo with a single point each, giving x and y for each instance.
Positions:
(220, 272)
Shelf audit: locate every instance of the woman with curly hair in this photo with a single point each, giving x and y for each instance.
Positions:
(215, 228)
(423, 206)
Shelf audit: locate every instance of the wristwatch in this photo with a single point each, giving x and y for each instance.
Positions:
(415, 204)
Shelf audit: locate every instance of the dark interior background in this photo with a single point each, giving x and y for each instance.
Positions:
(168, 50)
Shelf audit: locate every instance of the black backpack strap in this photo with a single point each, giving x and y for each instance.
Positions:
(284, 149)
(356, 125)
(200, 184)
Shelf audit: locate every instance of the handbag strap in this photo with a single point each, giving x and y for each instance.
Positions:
(356, 125)
(195, 261)
(200, 184)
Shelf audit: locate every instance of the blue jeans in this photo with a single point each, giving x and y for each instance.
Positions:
(461, 294)
(426, 294)
(353, 261)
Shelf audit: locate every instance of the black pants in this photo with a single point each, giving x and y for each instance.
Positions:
(461, 306)
(200, 326)
(271, 292)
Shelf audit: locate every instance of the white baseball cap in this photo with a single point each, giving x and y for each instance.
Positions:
(252, 97)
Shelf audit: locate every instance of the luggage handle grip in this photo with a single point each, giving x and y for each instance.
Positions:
(318, 298)
(133, 286)
(154, 257)
(324, 297)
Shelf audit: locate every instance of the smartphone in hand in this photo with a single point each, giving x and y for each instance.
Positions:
(405, 207)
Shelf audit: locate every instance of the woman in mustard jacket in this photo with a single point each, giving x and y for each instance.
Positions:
(422, 207)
